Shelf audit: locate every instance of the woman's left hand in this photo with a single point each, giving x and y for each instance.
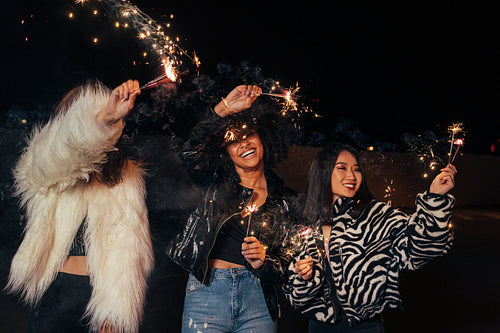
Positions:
(254, 252)
(445, 181)
(120, 103)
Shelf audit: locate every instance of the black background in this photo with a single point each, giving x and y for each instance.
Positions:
(390, 67)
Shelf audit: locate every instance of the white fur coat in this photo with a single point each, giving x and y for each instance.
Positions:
(52, 181)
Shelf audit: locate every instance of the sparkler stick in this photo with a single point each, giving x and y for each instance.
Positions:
(304, 234)
(453, 129)
(286, 95)
(250, 209)
(170, 74)
(459, 143)
(153, 83)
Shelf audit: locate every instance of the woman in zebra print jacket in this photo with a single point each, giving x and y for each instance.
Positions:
(346, 286)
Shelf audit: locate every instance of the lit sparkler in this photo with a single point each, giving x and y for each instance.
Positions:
(459, 143)
(455, 129)
(250, 209)
(389, 189)
(304, 235)
(301, 234)
(289, 97)
(170, 75)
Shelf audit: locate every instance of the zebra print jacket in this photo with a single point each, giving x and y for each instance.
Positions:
(366, 256)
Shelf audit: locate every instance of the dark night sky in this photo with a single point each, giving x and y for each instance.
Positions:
(391, 67)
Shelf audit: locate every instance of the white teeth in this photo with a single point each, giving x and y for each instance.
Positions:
(248, 153)
(349, 185)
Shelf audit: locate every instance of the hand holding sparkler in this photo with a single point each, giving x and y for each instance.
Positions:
(239, 99)
(445, 181)
(120, 103)
(254, 252)
(304, 268)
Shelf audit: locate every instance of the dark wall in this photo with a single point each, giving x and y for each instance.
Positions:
(477, 180)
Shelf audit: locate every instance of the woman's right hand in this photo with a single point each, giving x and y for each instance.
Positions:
(444, 181)
(304, 268)
(239, 99)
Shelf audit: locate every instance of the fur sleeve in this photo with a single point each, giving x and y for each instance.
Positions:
(120, 255)
(426, 234)
(68, 148)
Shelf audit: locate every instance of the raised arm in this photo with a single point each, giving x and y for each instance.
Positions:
(75, 141)
(427, 234)
(195, 154)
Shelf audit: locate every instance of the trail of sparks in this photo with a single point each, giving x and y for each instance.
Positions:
(149, 32)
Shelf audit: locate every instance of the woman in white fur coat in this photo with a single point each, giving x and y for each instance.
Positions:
(86, 254)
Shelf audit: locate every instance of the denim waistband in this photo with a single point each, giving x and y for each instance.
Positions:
(229, 272)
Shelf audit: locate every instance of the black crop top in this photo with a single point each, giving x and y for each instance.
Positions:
(227, 246)
(78, 246)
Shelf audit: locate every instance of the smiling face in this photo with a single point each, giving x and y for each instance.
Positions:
(247, 153)
(346, 176)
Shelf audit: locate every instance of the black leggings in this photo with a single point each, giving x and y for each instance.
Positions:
(62, 306)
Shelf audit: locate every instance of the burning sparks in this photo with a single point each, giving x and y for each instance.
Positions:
(289, 97)
(150, 33)
(455, 130)
(236, 131)
(169, 76)
(250, 209)
(389, 189)
(459, 143)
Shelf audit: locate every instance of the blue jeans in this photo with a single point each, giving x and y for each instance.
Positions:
(232, 302)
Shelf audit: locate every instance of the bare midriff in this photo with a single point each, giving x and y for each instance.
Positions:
(76, 265)
(217, 263)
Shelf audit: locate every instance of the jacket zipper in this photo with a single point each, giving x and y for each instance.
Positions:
(217, 232)
(332, 287)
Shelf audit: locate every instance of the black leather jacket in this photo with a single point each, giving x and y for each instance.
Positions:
(224, 198)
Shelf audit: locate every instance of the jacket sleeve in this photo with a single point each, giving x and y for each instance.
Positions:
(426, 234)
(300, 292)
(195, 150)
(68, 148)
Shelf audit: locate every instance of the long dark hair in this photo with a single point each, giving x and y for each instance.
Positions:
(318, 198)
(110, 172)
